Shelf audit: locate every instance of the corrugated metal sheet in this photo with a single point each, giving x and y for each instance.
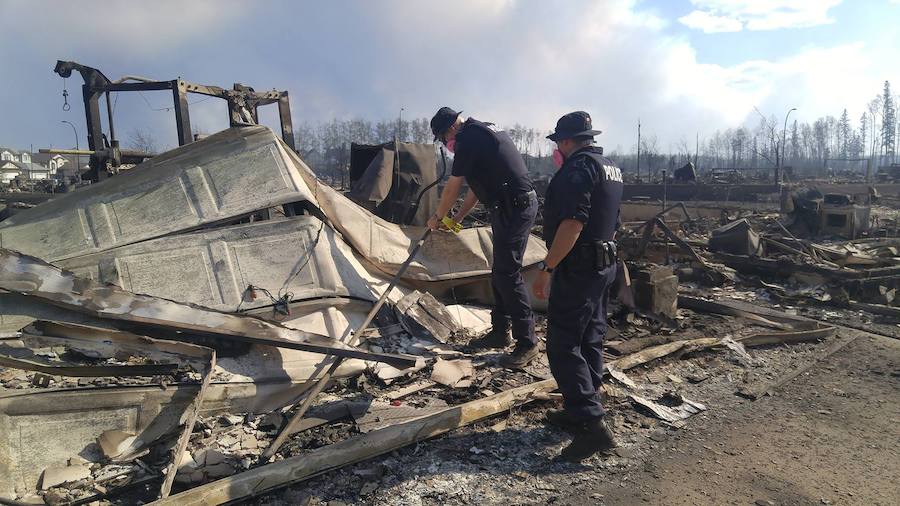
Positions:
(213, 268)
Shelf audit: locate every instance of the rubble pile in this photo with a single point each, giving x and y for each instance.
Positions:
(167, 329)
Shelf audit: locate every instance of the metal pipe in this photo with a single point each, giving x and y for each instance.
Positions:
(124, 152)
(109, 114)
(133, 78)
(66, 151)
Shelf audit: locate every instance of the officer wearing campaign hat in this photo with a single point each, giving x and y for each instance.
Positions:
(487, 160)
(581, 212)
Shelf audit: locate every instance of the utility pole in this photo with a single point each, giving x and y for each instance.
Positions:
(639, 151)
(396, 180)
(697, 153)
(665, 203)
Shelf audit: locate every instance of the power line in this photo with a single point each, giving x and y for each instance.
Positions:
(167, 109)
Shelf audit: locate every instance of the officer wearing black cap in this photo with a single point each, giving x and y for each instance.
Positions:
(581, 212)
(487, 160)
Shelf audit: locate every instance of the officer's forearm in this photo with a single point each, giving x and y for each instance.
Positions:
(467, 206)
(449, 196)
(566, 235)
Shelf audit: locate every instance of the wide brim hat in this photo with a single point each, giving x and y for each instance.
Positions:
(573, 125)
(443, 120)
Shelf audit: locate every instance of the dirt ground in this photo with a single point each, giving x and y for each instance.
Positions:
(829, 436)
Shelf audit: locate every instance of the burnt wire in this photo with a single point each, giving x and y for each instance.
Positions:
(315, 242)
(280, 305)
(415, 207)
(170, 107)
(281, 302)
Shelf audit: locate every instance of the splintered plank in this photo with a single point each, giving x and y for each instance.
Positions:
(754, 392)
(356, 449)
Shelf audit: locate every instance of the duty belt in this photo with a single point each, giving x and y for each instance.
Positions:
(593, 255)
(522, 200)
(509, 201)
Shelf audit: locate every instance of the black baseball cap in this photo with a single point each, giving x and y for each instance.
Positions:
(442, 120)
(572, 125)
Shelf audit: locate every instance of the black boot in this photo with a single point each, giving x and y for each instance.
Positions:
(591, 437)
(562, 419)
(521, 356)
(498, 337)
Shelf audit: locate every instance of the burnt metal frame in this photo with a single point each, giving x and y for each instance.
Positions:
(243, 104)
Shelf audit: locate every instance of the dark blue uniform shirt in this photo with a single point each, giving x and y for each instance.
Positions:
(488, 159)
(588, 188)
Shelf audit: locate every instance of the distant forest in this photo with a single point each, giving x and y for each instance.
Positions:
(830, 144)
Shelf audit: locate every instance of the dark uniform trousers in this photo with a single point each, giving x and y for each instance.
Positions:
(511, 229)
(576, 329)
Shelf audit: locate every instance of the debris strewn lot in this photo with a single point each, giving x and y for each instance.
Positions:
(752, 356)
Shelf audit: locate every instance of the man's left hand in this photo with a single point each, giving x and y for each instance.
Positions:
(541, 285)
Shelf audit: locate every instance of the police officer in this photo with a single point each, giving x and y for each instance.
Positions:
(487, 160)
(581, 211)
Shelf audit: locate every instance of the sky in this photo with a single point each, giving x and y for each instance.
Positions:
(683, 67)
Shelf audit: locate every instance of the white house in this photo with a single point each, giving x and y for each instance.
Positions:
(8, 155)
(31, 166)
(9, 170)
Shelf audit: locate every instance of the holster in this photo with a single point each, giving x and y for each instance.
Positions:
(593, 255)
(509, 202)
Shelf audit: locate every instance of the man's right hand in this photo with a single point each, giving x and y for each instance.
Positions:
(434, 222)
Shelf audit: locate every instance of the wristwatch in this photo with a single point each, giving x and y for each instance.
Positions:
(544, 267)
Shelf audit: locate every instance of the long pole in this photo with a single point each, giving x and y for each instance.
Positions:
(665, 204)
(639, 151)
(323, 380)
(78, 156)
(697, 152)
(783, 145)
(397, 139)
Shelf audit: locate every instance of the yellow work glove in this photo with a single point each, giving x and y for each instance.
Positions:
(451, 225)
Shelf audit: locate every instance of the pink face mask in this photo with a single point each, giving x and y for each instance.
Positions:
(558, 158)
(451, 145)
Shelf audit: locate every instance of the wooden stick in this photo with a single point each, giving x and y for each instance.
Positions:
(758, 391)
(785, 247)
(655, 352)
(876, 308)
(185, 436)
(812, 252)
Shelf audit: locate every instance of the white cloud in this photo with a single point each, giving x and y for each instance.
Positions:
(120, 26)
(530, 62)
(710, 23)
(520, 61)
(730, 15)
